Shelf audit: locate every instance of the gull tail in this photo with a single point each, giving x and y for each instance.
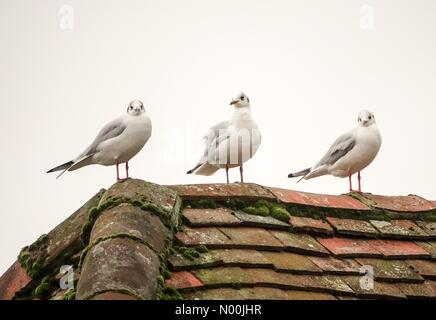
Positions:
(301, 173)
(204, 169)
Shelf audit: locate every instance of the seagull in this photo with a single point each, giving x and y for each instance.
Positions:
(229, 144)
(118, 142)
(350, 153)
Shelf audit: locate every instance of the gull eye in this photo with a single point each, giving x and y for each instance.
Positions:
(131, 107)
(242, 98)
(370, 117)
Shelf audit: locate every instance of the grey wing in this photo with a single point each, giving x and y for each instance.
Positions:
(111, 130)
(214, 136)
(339, 148)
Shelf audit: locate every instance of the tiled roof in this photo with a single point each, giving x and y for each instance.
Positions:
(239, 241)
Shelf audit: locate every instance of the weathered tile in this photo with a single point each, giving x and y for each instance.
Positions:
(428, 227)
(333, 265)
(428, 246)
(112, 295)
(223, 294)
(210, 217)
(391, 270)
(352, 248)
(418, 290)
(133, 221)
(399, 229)
(253, 220)
(352, 227)
(241, 257)
(211, 237)
(425, 268)
(396, 249)
(409, 203)
(380, 290)
(244, 191)
(310, 225)
(256, 293)
(299, 243)
(253, 238)
(179, 262)
(318, 200)
(291, 262)
(12, 281)
(222, 276)
(183, 280)
(119, 263)
(329, 284)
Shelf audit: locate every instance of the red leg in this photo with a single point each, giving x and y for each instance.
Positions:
(241, 171)
(349, 181)
(127, 170)
(358, 179)
(227, 173)
(118, 171)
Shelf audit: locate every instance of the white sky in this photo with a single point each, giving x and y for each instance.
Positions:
(307, 66)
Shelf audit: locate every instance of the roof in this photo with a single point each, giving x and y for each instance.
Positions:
(140, 240)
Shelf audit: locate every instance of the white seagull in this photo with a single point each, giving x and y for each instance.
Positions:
(118, 142)
(350, 153)
(229, 144)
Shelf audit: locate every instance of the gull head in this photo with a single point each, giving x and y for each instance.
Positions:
(135, 108)
(366, 118)
(241, 100)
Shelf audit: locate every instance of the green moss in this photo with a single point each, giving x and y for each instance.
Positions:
(70, 295)
(168, 293)
(280, 213)
(44, 289)
(201, 248)
(235, 203)
(202, 204)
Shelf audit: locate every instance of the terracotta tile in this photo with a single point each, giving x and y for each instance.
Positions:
(391, 270)
(222, 276)
(428, 246)
(210, 217)
(241, 257)
(305, 295)
(318, 200)
(418, 291)
(183, 280)
(179, 262)
(311, 225)
(396, 249)
(291, 262)
(428, 227)
(409, 203)
(252, 220)
(333, 265)
(211, 237)
(380, 290)
(399, 229)
(299, 243)
(352, 227)
(246, 191)
(352, 248)
(253, 238)
(111, 295)
(12, 281)
(425, 268)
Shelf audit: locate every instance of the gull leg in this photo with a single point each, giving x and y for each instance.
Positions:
(358, 179)
(127, 170)
(241, 171)
(118, 171)
(349, 181)
(227, 173)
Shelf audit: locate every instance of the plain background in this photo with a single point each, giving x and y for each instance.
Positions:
(308, 67)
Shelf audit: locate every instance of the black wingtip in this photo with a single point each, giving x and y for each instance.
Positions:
(190, 172)
(291, 175)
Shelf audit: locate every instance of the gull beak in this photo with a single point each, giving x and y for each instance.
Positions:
(233, 102)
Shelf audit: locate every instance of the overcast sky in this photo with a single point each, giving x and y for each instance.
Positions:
(309, 67)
